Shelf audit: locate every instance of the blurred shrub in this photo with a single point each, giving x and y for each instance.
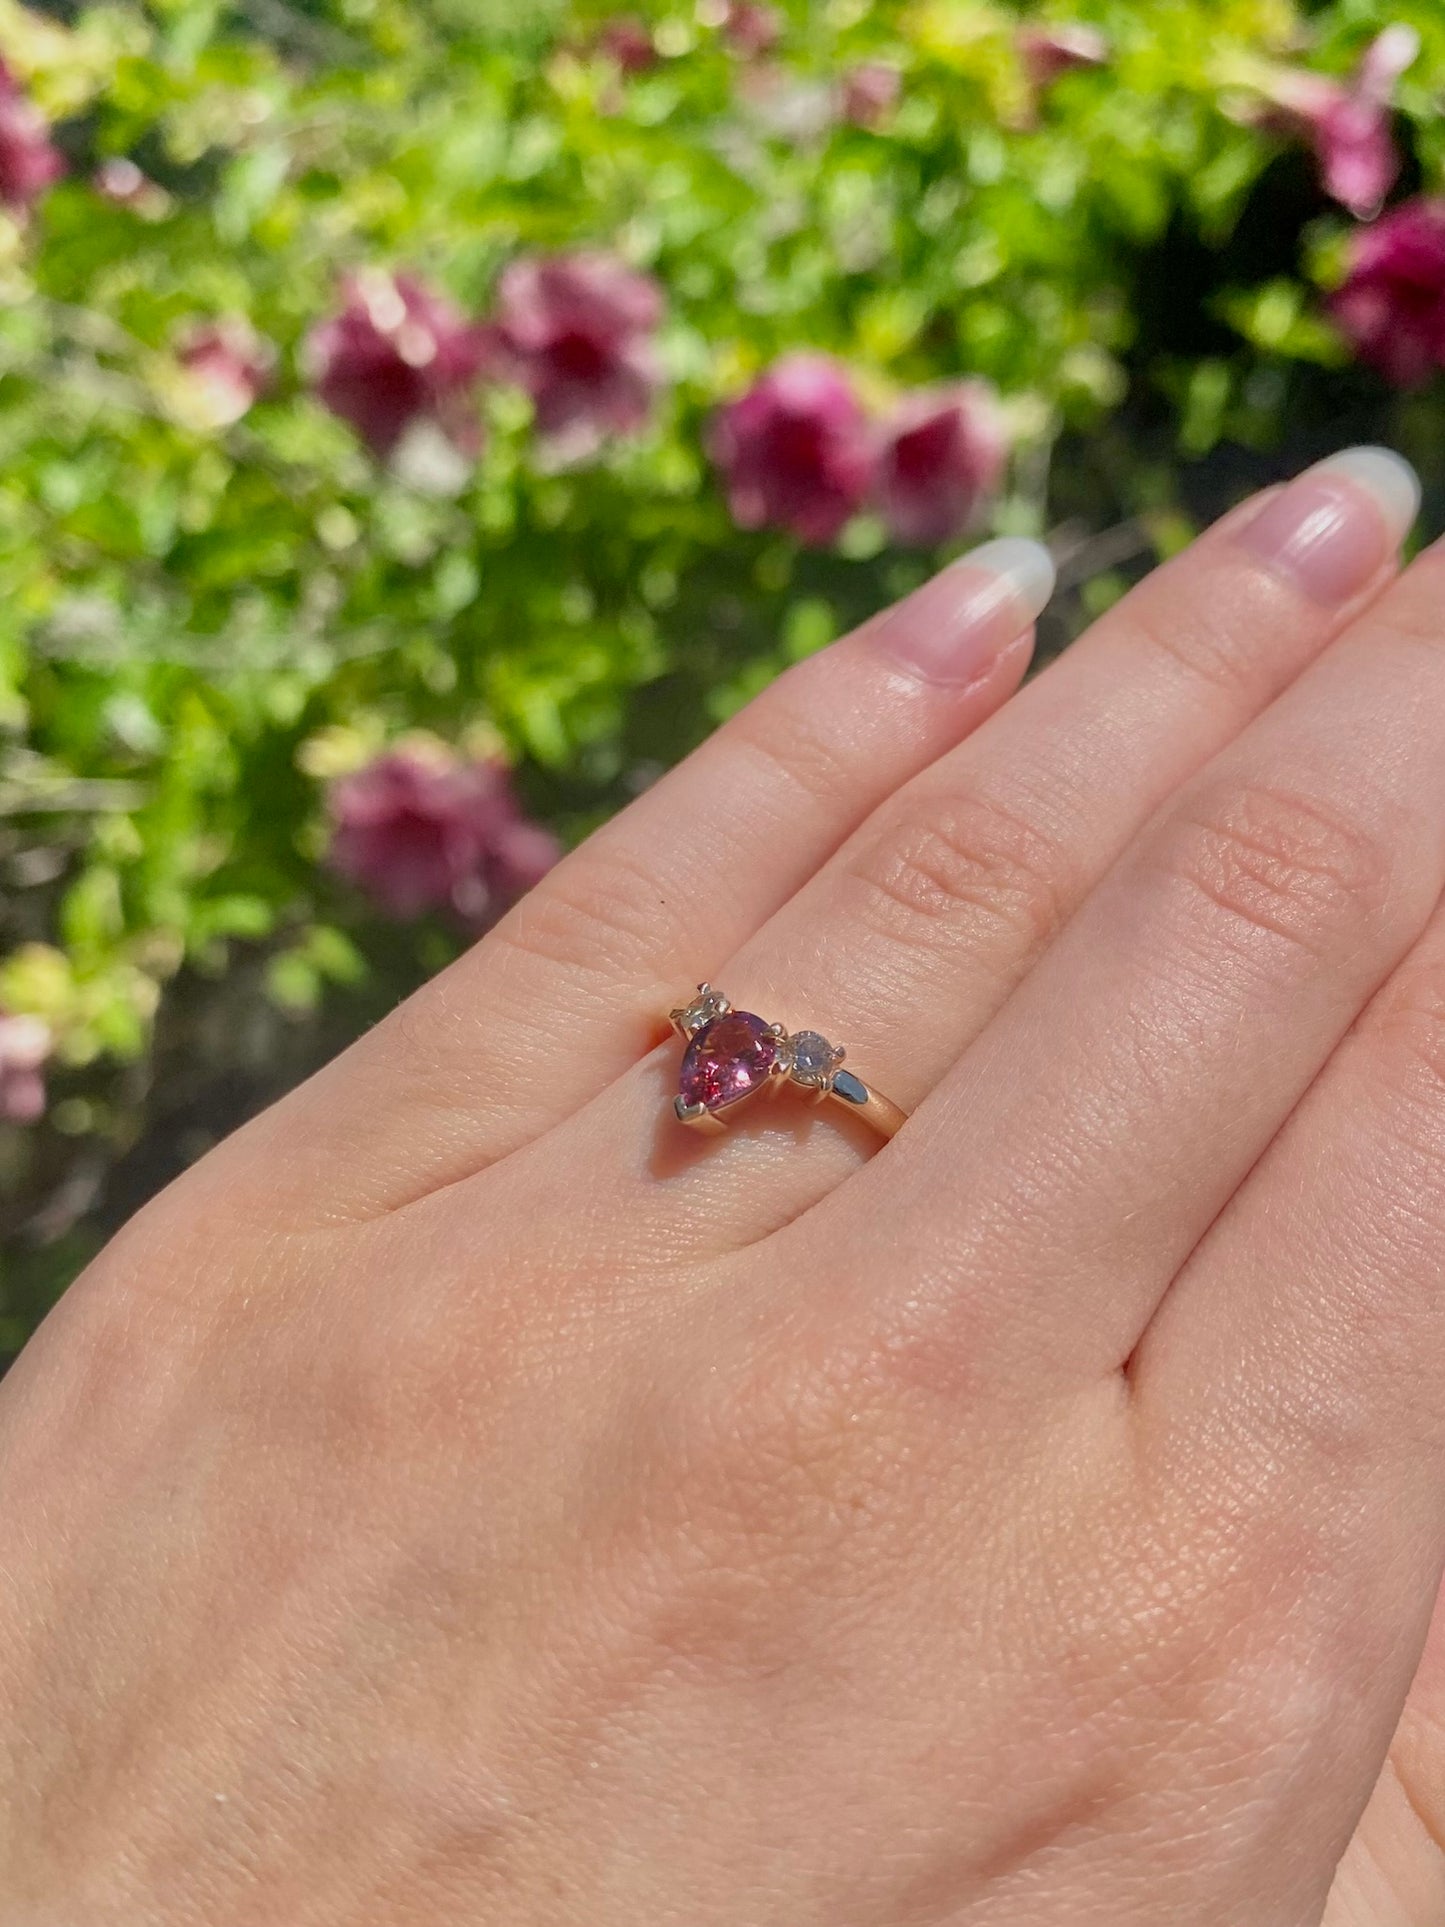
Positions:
(379, 383)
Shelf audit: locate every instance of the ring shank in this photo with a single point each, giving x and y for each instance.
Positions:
(886, 1118)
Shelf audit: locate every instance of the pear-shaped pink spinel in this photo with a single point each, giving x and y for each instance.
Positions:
(727, 1059)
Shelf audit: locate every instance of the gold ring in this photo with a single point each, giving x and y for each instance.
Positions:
(731, 1055)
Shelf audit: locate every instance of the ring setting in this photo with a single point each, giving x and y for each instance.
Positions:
(733, 1055)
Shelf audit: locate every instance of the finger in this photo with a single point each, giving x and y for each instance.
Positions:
(1104, 1120)
(957, 885)
(1302, 1350)
(566, 991)
(906, 944)
(1310, 1323)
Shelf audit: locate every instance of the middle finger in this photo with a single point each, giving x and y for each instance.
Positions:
(1134, 1082)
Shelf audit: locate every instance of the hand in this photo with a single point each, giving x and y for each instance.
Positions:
(469, 1498)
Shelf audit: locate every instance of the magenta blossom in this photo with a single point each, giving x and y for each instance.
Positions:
(418, 829)
(25, 1046)
(796, 450)
(1392, 303)
(943, 456)
(29, 160)
(121, 181)
(577, 331)
(1050, 52)
(626, 41)
(751, 30)
(1347, 123)
(869, 92)
(396, 355)
(229, 365)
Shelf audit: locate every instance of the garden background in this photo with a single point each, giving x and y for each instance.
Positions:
(421, 420)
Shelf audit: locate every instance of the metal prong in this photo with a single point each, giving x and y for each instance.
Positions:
(698, 1117)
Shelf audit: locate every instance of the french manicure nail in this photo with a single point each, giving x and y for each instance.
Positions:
(957, 625)
(1333, 529)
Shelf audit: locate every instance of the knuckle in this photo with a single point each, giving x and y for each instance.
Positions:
(927, 880)
(1277, 861)
(588, 926)
(794, 745)
(1210, 653)
(606, 914)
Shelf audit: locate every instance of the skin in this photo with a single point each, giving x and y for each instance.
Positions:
(468, 1498)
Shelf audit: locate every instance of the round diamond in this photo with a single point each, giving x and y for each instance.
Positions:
(813, 1057)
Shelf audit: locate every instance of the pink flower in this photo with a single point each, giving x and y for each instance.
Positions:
(229, 365)
(398, 354)
(1392, 303)
(869, 93)
(1348, 122)
(577, 331)
(418, 829)
(944, 454)
(751, 30)
(122, 182)
(1050, 52)
(796, 450)
(29, 161)
(25, 1045)
(626, 41)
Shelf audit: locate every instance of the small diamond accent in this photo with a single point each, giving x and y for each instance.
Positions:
(707, 1005)
(814, 1059)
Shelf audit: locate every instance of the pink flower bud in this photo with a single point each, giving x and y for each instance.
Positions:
(420, 830)
(796, 450)
(751, 30)
(577, 331)
(29, 161)
(626, 41)
(122, 182)
(869, 92)
(943, 456)
(1347, 122)
(229, 365)
(1050, 52)
(1392, 303)
(397, 354)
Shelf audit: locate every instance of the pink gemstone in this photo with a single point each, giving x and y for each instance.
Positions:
(726, 1060)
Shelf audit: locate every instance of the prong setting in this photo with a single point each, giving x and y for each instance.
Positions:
(689, 1019)
(733, 1056)
(812, 1061)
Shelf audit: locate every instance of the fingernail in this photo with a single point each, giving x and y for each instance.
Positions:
(1334, 528)
(955, 627)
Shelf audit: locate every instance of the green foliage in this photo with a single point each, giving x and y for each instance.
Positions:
(198, 625)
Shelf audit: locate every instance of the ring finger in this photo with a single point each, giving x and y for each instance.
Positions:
(564, 993)
(906, 943)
